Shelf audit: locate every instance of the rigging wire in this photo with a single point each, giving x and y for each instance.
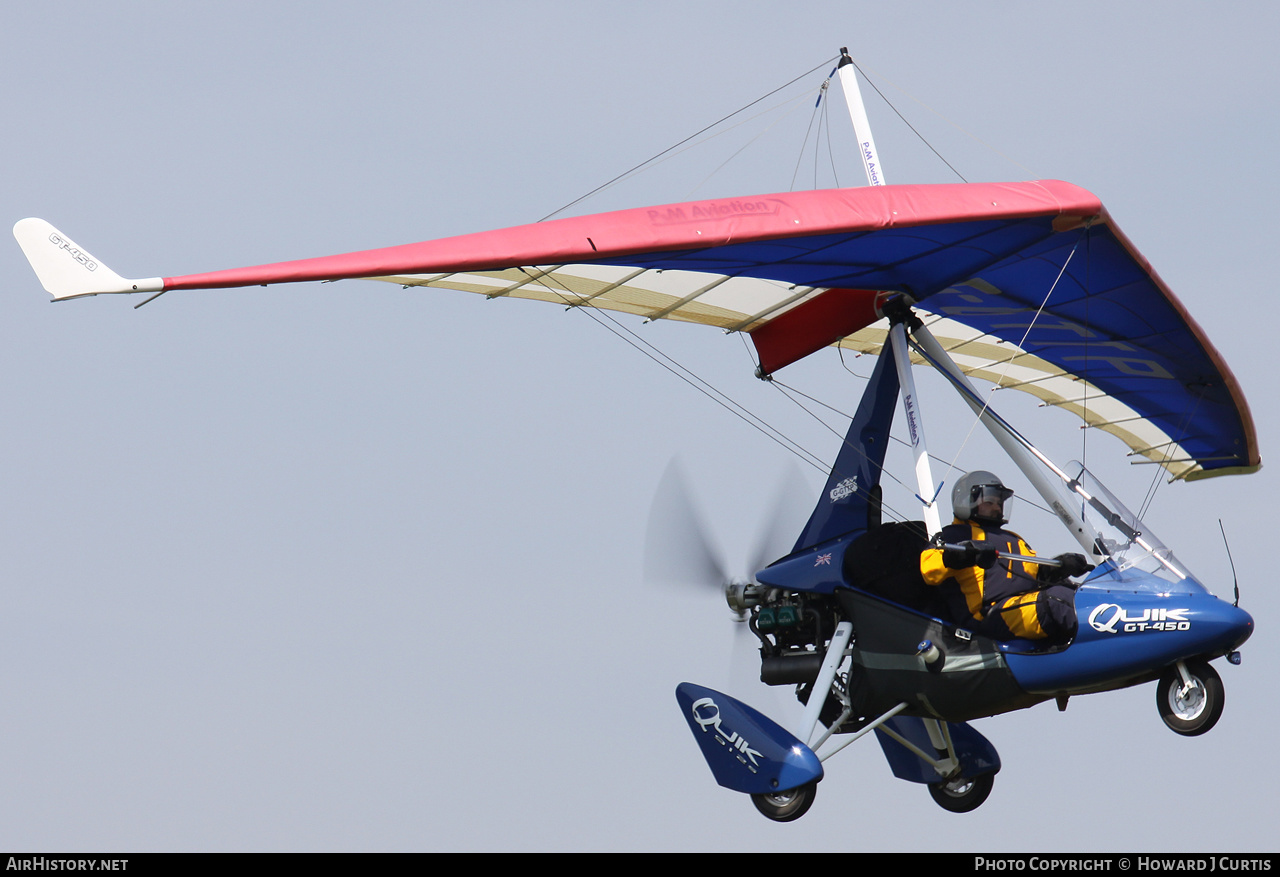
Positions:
(824, 126)
(822, 92)
(831, 154)
(787, 392)
(845, 366)
(674, 152)
(613, 325)
(821, 113)
(653, 158)
(908, 124)
(822, 118)
(789, 389)
(744, 146)
(686, 374)
(1061, 271)
(844, 442)
(1020, 347)
(610, 323)
(1157, 479)
(965, 131)
(899, 440)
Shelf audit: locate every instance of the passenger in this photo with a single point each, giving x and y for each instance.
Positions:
(1002, 599)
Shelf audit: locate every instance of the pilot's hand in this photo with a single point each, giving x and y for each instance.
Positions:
(967, 554)
(1070, 565)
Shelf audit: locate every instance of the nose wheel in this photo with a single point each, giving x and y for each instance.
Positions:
(1190, 698)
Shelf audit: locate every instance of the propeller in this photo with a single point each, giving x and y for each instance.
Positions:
(786, 514)
(680, 551)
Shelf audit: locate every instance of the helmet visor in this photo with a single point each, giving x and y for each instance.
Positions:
(991, 501)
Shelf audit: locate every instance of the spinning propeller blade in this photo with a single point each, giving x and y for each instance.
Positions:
(679, 549)
(785, 516)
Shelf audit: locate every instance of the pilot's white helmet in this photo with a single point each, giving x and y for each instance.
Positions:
(975, 488)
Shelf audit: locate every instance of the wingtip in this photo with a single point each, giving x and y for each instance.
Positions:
(65, 269)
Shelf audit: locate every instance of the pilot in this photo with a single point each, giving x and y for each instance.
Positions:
(1002, 599)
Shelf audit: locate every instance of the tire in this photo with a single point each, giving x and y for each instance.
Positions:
(963, 795)
(787, 806)
(1200, 709)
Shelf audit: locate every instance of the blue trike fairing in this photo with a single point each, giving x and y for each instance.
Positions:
(976, 754)
(745, 749)
(1139, 612)
(1130, 627)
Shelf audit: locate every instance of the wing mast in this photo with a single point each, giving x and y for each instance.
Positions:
(925, 485)
(928, 493)
(847, 72)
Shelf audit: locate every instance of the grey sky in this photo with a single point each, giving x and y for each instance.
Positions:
(346, 567)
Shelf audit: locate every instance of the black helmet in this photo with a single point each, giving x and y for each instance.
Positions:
(975, 488)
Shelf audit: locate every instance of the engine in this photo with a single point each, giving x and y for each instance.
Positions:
(793, 628)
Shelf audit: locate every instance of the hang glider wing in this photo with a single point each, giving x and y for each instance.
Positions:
(1029, 285)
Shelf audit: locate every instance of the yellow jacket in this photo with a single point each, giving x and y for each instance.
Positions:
(970, 592)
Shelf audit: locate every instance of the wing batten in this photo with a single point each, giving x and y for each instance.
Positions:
(689, 299)
(528, 278)
(746, 325)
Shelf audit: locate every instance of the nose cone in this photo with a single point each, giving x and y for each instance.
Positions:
(1218, 628)
(1239, 624)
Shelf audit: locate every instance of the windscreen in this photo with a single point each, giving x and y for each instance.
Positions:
(1137, 559)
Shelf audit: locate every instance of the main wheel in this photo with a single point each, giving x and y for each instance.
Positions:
(787, 806)
(1197, 710)
(963, 795)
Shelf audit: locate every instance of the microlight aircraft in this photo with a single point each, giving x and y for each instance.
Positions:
(1029, 285)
